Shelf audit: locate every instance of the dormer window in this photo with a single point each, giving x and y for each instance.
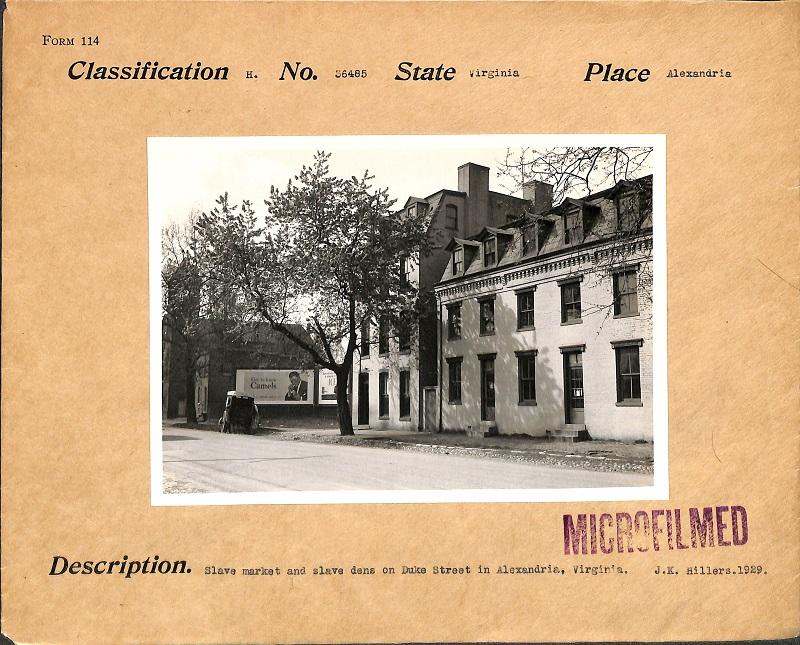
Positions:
(490, 252)
(451, 216)
(411, 210)
(458, 260)
(573, 233)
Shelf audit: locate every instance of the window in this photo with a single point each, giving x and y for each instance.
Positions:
(458, 260)
(487, 316)
(526, 374)
(525, 310)
(405, 271)
(490, 252)
(451, 216)
(383, 395)
(626, 302)
(404, 332)
(383, 337)
(572, 228)
(454, 321)
(454, 379)
(629, 387)
(570, 302)
(529, 239)
(365, 338)
(405, 394)
(411, 210)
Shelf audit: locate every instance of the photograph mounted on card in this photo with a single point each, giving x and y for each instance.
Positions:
(407, 319)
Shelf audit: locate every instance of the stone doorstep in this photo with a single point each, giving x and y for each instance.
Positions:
(571, 433)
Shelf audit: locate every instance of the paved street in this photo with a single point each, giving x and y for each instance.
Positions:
(202, 461)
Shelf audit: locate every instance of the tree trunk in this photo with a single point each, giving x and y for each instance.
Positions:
(343, 404)
(191, 410)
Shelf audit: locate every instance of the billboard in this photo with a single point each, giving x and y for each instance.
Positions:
(277, 386)
(327, 387)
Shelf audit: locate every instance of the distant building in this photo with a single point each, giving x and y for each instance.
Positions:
(257, 347)
(546, 322)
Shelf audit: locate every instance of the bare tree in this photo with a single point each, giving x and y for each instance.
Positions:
(624, 236)
(574, 171)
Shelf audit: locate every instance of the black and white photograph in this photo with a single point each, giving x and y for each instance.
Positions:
(407, 318)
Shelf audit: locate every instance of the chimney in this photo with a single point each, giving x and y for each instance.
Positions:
(539, 193)
(474, 181)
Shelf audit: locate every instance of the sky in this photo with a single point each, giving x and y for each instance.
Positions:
(186, 173)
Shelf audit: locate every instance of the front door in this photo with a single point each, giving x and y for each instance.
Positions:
(363, 399)
(573, 387)
(487, 389)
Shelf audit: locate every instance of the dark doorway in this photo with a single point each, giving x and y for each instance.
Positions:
(487, 389)
(363, 399)
(573, 387)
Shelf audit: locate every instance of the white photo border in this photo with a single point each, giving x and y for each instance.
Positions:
(659, 490)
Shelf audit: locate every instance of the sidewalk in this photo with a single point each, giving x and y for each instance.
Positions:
(594, 455)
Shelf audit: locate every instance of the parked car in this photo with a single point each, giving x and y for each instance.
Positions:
(241, 414)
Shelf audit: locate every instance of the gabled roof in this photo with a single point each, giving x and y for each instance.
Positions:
(568, 203)
(457, 241)
(622, 184)
(494, 231)
(446, 191)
